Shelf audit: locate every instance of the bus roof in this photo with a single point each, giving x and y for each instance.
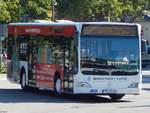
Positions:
(59, 28)
(68, 22)
(42, 28)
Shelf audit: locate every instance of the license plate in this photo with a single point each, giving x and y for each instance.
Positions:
(107, 91)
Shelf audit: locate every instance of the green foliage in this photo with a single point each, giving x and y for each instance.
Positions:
(101, 9)
(109, 9)
(14, 9)
(2, 66)
(36, 9)
(18, 10)
(79, 10)
(134, 8)
(4, 13)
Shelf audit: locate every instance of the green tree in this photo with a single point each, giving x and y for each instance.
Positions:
(89, 9)
(36, 9)
(4, 13)
(18, 10)
(106, 9)
(133, 8)
(78, 10)
(14, 9)
(74, 9)
(101, 9)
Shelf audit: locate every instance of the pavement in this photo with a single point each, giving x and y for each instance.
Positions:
(3, 77)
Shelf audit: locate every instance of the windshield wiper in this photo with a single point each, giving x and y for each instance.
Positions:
(95, 72)
(124, 73)
(98, 65)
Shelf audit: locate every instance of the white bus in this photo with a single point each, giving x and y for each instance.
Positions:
(97, 58)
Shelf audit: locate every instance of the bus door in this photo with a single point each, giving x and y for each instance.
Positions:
(32, 51)
(15, 65)
(68, 74)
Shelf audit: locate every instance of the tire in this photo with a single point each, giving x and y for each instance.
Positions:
(23, 82)
(116, 96)
(57, 86)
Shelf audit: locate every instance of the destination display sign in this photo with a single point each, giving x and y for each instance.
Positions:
(110, 30)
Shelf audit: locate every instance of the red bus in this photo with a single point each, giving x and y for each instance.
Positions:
(76, 58)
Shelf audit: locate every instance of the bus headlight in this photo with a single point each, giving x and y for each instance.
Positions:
(84, 84)
(133, 85)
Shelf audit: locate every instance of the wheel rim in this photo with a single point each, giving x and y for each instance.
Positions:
(23, 80)
(58, 86)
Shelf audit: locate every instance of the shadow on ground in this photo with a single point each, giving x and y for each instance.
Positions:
(36, 96)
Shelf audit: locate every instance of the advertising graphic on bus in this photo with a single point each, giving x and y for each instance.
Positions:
(76, 58)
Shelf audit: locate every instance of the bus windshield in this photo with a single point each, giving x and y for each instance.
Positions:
(109, 55)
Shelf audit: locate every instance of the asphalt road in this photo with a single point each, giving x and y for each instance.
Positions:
(14, 100)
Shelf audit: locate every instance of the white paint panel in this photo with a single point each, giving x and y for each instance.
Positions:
(99, 83)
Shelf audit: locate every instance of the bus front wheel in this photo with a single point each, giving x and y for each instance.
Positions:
(116, 96)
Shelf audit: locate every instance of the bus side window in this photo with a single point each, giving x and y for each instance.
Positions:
(44, 55)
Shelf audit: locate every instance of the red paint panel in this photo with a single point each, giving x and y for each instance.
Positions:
(45, 75)
(67, 31)
(11, 29)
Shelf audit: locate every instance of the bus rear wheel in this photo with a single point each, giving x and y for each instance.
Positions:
(116, 96)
